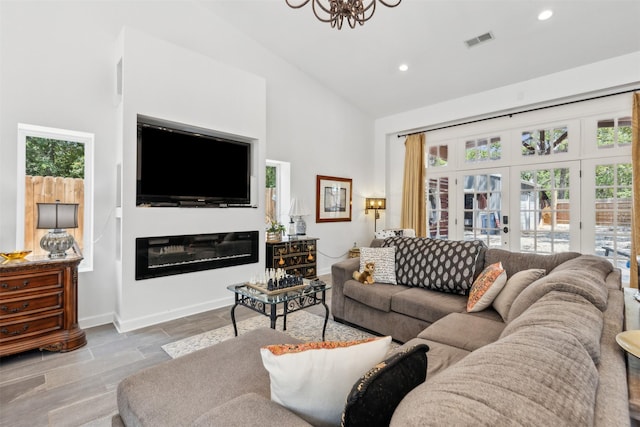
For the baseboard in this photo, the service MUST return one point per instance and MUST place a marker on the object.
(127, 325)
(99, 320)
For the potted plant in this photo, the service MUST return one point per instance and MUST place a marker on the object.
(275, 231)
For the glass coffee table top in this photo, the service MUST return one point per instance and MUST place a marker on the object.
(284, 296)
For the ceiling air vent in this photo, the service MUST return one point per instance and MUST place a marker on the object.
(479, 39)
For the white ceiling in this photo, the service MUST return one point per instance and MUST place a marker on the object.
(361, 64)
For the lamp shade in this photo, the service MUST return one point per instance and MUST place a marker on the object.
(298, 208)
(57, 215)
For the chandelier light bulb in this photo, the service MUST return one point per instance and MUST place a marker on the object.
(336, 12)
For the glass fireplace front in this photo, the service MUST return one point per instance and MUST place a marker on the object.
(168, 255)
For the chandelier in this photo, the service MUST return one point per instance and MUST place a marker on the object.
(336, 11)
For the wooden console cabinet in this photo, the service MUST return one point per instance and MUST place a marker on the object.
(296, 255)
(39, 305)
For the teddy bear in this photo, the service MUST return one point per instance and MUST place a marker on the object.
(366, 276)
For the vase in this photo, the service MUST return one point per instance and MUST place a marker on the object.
(274, 236)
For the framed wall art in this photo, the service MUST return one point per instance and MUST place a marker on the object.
(333, 199)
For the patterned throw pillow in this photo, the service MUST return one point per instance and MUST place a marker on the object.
(402, 232)
(385, 263)
(486, 287)
(442, 265)
(374, 398)
(314, 379)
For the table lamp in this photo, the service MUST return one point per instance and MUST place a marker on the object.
(57, 217)
(296, 212)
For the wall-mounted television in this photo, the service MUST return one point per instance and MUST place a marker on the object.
(182, 165)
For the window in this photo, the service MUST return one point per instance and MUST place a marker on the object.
(483, 149)
(614, 132)
(438, 156)
(277, 192)
(545, 142)
(55, 164)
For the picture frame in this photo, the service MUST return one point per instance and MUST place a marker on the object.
(333, 199)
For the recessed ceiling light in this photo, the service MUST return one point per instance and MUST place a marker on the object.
(545, 14)
(403, 67)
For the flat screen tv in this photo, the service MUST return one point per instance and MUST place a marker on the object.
(180, 165)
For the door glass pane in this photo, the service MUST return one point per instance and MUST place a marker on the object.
(613, 214)
(544, 210)
(438, 207)
(482, 208)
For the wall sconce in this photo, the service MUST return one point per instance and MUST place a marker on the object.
(375, 204)
(57, 217)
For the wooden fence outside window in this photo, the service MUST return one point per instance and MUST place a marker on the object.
(48, 189)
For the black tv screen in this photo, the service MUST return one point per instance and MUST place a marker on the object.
(183, 166)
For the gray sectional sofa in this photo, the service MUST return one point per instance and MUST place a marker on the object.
(552, 359)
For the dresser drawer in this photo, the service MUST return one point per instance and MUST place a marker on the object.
(25, 305)
(24, 328)
(29, 282)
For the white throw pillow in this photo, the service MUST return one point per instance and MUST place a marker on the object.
(314, 379)
(384, 260)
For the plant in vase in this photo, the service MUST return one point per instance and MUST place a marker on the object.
(275, 231)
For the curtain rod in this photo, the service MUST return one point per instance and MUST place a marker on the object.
(518, 112)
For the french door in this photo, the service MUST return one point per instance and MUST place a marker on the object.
(483, 200)
(529, 208)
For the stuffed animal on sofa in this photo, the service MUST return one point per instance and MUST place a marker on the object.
(365, 276)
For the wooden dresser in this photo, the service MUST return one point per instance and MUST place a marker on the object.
(39, 305)
(296, 255)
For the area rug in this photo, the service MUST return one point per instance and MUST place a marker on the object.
(301, 324)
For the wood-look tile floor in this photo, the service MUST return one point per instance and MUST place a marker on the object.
(78, 388)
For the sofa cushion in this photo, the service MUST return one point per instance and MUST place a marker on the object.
(375, 396)
(486, 287)
(548, 379)
(209, 377)
(515, 284)
(517, 261)
(581, 281)
(443, 265)
(566, 312)
(463, 331)
(441, 356)
(385, 263)
(426, 304)
(234, 413)
(314, 379)
(377, 295)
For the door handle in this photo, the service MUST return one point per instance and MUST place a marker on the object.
(505, 230)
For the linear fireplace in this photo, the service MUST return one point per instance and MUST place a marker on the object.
(168, 255)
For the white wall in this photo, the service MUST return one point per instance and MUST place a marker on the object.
(58, 69)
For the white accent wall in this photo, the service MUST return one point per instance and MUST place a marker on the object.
(58, 68)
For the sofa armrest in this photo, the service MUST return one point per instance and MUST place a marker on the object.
(340, 273)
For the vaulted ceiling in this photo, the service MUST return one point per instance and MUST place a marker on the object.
(429, 36)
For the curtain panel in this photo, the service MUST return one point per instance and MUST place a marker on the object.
(414, 211)
(635, 217)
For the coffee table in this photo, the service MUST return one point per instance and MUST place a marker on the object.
(289, 302)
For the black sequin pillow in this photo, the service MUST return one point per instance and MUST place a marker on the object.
(444, 265)
(375, 396)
